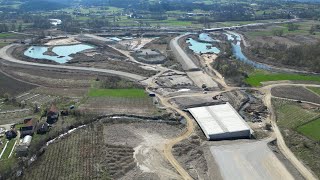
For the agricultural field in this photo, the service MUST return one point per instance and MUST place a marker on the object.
(258, 77)
(120, 105)
(291, 114)
(78, 156)
(315, 90)
(103, 150)
(297, 93)
(12, 86)
(303, 29)
(293, 120)
(125, 93)
(119, 101)
(311, 129)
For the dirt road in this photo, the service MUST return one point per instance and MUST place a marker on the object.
(306, 173)
(5, 55)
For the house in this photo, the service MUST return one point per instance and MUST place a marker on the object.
(28, 127)
(27, 130)
(42, 128)
(52, 115)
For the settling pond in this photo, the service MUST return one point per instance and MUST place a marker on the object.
(62, 52)
(200, 47)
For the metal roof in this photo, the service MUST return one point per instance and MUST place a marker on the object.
(219, 119)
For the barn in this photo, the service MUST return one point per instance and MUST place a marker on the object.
(220, 122)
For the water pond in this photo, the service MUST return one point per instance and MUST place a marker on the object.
(62, 52)
(206, 38)
(199, 47)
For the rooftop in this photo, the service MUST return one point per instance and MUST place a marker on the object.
(219, 119)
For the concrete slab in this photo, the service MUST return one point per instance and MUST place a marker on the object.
(246, 161)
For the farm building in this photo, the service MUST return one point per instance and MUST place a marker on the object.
(221, 122)
(23, 146)
(28, 127)
(52, 115)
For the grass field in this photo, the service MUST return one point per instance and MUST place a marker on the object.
(7, 35)
(311, 129)
(315, 89)
(257, 77)
(127, 93)
(304, 28)
(8, 149)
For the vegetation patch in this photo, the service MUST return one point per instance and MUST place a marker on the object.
(8, 149)
(257, 77)
(299, 124)
(311, 129)
(127, 93)
(315, 89)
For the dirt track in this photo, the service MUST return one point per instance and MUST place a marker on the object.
(6, 56)
(280, 141)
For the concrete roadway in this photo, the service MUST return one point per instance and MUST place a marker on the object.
(5, 55)
(246, 161)
(182, 57)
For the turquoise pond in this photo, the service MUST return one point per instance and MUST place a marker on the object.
(206, 38)
(199, 47)
(63, 52)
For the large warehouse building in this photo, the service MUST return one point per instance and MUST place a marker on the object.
(221, 122)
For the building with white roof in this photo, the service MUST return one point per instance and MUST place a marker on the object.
(221, 122)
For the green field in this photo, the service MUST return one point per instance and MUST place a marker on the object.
(7, 35)
(315, 89)
(311, 129)
(128, 93)
(257, 77)
(291, 115)
(8, 149)
(300, 128)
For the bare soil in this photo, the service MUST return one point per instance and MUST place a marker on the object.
(297, 93)
(147, 140)
(13, 86)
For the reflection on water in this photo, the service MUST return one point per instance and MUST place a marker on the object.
(62, 52)
(206, 38)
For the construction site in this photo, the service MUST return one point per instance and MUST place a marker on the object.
(138, 107)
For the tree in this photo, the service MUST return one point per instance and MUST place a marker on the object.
(278, 32)
(292, 27)
(20, 28)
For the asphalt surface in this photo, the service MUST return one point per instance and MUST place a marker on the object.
(5, 55)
